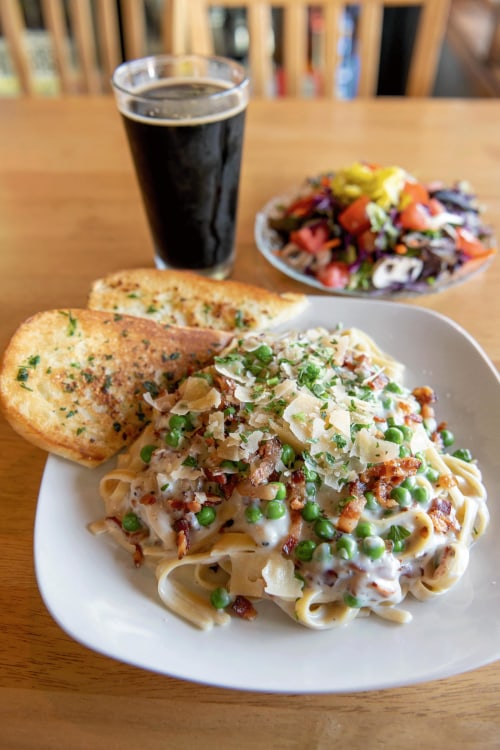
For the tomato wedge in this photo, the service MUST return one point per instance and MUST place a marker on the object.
(335, 275)
(471, 246)
(415, 218)
(354, 218)
(311, 239)
(417, 192)
(366, 241)
(301, 207)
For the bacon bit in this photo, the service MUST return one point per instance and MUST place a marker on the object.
(447, 481)
(413, 418)
(400, 249)
(351, 514)
(295, 531)
(382, 491)
(243, 608)
(215, 476)
(393, 471)
(357, 488)
(424, 395)
(441, 504)
(269, 453)
(181, 526)
(378, 383)
(213, 500)
(440, 515)
(443, 563)
(404, 407)
(148, 499)
(193, 506)
(297, 490)
(378, 419)
(381, 590)
(138, 556)
(175, 504)
(427, 411)
(225, 386)
(229, 487)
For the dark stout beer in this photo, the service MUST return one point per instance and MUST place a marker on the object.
(186, 140)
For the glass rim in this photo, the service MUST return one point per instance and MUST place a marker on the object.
(150, 59)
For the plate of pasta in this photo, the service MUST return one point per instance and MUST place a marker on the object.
(310, 513)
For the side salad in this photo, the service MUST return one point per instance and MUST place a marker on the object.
(368, 228)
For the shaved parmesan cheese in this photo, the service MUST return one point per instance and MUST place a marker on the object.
(340, 420)
(196, 395)
(280, 580)
(371, 449)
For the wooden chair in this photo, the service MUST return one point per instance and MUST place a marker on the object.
(189, 31)
(91, 29)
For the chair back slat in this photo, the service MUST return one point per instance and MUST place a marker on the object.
(369, 36)
(14, 30)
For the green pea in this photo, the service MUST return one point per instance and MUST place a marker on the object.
(310, 511)
(407, 432)
(394, 435)
(463, 454)
(393, 387)
(402, 496)
(264, 353)
(371, 501)
(220, 598)
(253, 514)
(130, 522)
(324, 528)
(310, 489)
(280, 490)
(432, 474)
(256, 369)
(305, 549)
(447, 437)
(347, 547)
(146, 453)
(180, 422)
(420, 494)
(365, 528)
(373, 547)
(275, 509)
(352, 601)
(206, 515)
(423, 463)
(404, 451)
(287, 455)
(172, 438)
(409, 483)
(323, 552)
(310, 474)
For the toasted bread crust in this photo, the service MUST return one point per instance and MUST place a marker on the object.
(188, 299)
(72, 381)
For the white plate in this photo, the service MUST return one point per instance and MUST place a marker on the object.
(96, 595)
(268, 242)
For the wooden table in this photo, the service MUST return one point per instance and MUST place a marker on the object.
(69, 213)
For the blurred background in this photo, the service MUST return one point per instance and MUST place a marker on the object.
(469, 62)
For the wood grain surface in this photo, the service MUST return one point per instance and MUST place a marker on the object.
(70, 212)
